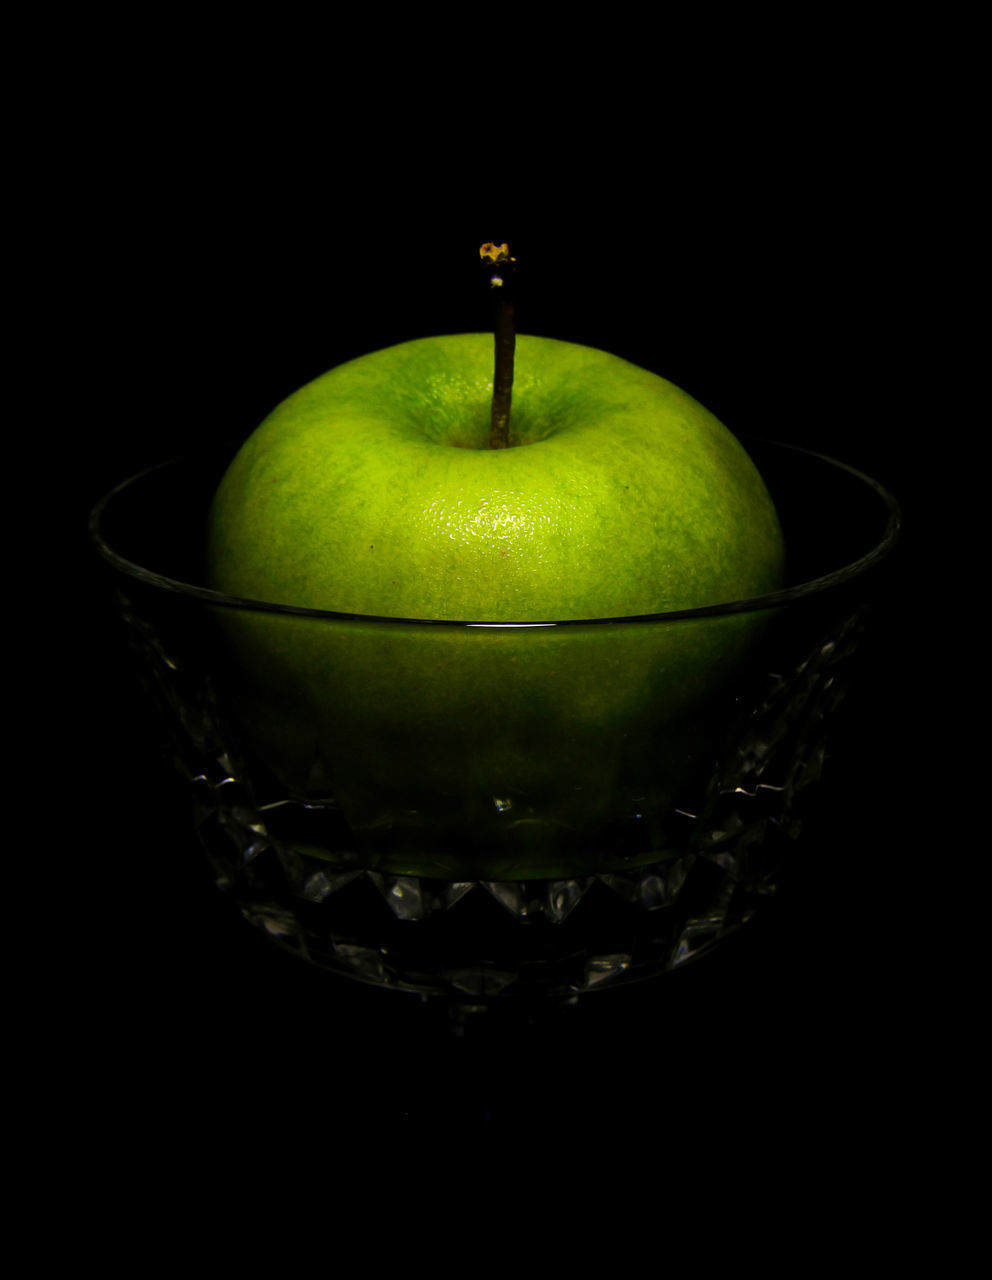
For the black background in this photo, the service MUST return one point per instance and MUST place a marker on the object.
(773, 287)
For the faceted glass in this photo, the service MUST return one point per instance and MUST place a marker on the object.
(354, 776)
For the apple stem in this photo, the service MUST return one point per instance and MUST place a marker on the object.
(499, 427)
(505, 343)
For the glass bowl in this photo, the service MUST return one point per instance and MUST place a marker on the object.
(515, 810)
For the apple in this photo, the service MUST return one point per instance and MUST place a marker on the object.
(497, 750)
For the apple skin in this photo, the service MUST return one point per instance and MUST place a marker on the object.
(489, 752)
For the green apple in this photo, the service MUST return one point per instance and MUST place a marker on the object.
(489, 751)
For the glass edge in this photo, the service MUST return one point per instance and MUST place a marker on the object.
(771, 600)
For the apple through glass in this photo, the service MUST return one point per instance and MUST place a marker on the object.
(471, 775)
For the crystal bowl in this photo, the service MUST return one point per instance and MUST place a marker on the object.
(624, 800)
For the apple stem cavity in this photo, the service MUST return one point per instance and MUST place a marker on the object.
(500, 270)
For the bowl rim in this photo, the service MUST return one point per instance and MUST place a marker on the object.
(771, 600)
